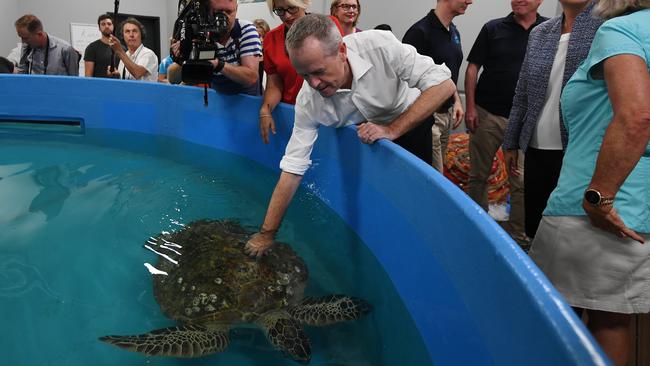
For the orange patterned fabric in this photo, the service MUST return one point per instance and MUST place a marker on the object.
(457, 169)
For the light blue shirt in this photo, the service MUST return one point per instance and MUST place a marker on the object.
(164, 65)
(587, 112)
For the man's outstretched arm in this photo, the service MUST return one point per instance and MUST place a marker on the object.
(282, 196)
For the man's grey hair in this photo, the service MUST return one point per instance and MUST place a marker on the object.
(608, 9)
(319, 26)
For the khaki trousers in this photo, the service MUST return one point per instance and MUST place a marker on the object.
(483, 146)
(440, 138)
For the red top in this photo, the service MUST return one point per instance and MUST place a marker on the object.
(276, 61)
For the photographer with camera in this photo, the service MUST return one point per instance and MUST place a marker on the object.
(138, 62)
(210, 42)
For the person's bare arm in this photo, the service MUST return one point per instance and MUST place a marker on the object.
(457, 110)
(137, 71)
(423, 107)
(272, 96)
(282, 196)
(626, 138)
(89, 68)
(471, 78)
(245, 74)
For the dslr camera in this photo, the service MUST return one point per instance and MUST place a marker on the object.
(198, 30)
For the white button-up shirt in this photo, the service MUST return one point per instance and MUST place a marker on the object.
(145, 58)
(387, 77)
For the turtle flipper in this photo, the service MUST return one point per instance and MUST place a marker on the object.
(286, 334)
(330, 309)
(181, 341)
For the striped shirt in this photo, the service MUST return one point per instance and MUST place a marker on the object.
(244, 41)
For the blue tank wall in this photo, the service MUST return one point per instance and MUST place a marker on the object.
(474, 296)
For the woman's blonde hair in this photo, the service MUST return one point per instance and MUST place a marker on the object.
(608, 9)
(299, 3)
(335, 4)
(261, 23)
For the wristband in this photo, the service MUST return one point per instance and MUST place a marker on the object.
(220, 65)
(264, 231)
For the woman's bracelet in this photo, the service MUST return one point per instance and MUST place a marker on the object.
(265, 115)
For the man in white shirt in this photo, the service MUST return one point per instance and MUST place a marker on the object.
(138, 62)
(369, 79)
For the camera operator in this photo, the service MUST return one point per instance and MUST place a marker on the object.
(238, 50)
(138, 62)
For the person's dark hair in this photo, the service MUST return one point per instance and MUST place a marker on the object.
(384, 27)
(31, 22)
(319, 26)
(103, 17)
(6, 66)
(135, 22)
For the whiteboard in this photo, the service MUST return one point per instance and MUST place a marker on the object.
(81, 35)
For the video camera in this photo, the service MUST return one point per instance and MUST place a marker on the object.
(198, 30)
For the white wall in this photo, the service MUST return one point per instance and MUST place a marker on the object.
(401, 16)
(8, 15)
(257, 10)
(57, 16)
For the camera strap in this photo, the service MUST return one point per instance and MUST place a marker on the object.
(45, 59)
(133, 58)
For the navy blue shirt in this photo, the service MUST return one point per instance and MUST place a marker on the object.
(430, 38)
(500, 49)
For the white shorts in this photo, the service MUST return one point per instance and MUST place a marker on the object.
(592, 268)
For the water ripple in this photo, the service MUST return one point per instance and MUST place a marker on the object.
(17, 279)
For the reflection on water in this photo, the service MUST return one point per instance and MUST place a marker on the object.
(17, 279)
(73, 221)
(53, 194)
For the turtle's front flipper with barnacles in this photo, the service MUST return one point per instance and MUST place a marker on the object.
(286, 334)
(181, 341)
(330, 309)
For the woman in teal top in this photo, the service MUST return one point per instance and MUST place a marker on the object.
(589, 242)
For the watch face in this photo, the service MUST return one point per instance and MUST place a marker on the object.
(592, 197)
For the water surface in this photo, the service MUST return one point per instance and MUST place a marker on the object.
(73, 221)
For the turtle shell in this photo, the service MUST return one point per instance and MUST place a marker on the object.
(216, 281)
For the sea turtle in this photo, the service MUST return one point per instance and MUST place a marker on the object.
(214, 286)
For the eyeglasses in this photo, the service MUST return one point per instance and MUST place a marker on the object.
(348, 7)
(281, 11)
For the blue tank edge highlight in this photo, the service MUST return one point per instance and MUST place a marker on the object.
(495, 305)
